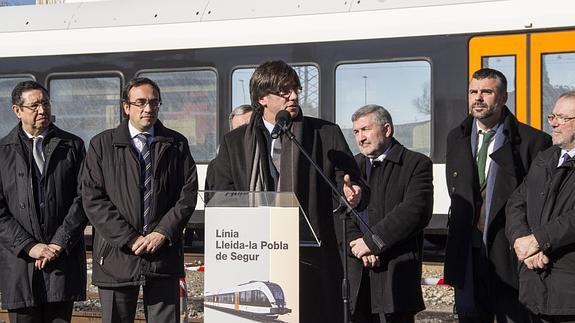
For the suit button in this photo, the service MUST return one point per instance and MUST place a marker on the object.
(547, 245)
(21, 174)
(452, 189)
(454, 174)
(22, 205)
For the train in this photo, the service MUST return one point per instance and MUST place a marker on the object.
(258, 299)
(413, 57)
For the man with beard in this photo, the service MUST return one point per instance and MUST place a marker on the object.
(541, 226)
(488, 156)
(250, 160)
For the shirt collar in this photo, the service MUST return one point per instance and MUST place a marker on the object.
(479, 130)
(570, 152)
(381, 157)
(42, 135)
(134, 132)
(268, 125)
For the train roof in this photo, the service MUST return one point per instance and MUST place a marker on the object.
(132, 25)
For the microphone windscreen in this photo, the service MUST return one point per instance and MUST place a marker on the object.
(283, 115)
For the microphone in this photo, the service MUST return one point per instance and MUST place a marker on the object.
(282, 120)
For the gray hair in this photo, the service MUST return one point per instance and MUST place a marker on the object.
(239, 111)
(567, 95)
(380, 115)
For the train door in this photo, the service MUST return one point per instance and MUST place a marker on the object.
(552, 72)
(506, 53)
(539, 67)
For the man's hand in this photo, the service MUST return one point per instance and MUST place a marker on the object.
(370, 261)
(525, 247)
(359, 248)
(42, 251)
(352, 192)
(147, 244)
(537, 261)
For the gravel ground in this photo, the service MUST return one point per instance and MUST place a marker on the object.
(438, 299)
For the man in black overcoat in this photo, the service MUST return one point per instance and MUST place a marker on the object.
(385, 280)
(42, 255)
(247, 162)
(541, 223)
(478, 259)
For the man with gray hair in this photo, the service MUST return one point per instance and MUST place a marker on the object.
(240, 116)
(540, 223)
(385, 282)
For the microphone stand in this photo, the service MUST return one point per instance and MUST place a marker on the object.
(343, 206)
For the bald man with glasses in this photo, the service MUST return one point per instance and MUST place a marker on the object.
(541, 223)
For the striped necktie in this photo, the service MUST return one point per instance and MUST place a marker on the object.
(146, 162)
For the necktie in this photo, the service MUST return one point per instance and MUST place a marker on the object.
(37, 153)
(146, 162)
(482, 155)
(564, 158)
(276, 158)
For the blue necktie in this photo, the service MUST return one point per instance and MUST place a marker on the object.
(146, 162)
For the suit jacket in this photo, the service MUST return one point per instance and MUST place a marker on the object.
(518, 146)
(550, 291)
(320, 270)
(400, 207)
(112, 194)
(61, 220)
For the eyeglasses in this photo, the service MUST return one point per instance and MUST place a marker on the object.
(558, 118)
(286, 93)
(141, 103)
(35, 106)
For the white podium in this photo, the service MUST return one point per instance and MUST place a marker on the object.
(251, 255)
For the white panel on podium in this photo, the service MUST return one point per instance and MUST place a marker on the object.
(251, 257)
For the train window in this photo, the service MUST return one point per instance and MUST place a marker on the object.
(506, 65)
(403, 88)
(309, 97)
(86, 106)
(8, 119)
(558, 76)
(190, 107)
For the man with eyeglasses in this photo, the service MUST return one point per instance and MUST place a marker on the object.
(139, 188)
(488, 156)
(42, 255)
(250, 160)
(541, 223)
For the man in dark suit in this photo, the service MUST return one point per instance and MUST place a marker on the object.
(139, 189)
(385, 281)
(250, 160)
(541, 226)
(488, 156)
(42, 256)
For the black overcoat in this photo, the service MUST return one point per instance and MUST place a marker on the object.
(400, 207)
(320, 269)
(112, 197)
(63, 220)
(550, 291)
(519, 148)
